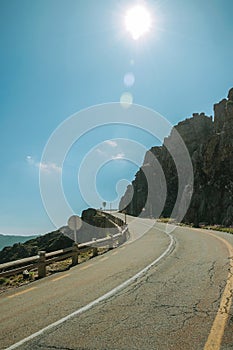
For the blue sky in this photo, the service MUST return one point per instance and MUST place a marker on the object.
(59, 57)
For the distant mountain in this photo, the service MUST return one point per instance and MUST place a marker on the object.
(49, 242)
(8, 240)
(210, 145)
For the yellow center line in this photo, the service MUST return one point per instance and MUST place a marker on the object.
(116, 252)
(60, 277)
(103, 259)
(217, 331)
(22, 292)
(86, 267)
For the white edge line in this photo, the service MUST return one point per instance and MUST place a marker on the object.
(96, 301)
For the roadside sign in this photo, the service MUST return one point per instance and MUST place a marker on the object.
(74, 223)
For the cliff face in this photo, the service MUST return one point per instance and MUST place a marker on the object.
(210, 145)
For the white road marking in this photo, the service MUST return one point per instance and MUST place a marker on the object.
(98, 300)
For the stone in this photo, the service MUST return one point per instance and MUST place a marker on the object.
(210, 145)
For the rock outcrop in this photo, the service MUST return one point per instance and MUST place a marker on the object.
(49, 242)
(94, 225)
(210, 146)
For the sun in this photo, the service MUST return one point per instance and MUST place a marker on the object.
(137, 21)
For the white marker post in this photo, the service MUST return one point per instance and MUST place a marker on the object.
(75, 223)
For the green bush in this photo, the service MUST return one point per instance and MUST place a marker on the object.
(3, 280)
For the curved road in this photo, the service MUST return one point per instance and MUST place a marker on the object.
(181, 302)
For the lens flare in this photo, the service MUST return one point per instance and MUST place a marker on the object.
(138, 21)
(126, 99)
(129, 79)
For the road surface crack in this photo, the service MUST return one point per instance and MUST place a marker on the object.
(219, 297)
(42, 346)
(225, 308)
(211, 272)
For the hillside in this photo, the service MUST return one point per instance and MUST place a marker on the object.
(8, 240)
(92, 227)
(210, 145)
(49, 242)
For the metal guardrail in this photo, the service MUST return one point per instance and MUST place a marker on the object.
(43, 259)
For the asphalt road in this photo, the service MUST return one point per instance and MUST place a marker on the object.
(182, 302)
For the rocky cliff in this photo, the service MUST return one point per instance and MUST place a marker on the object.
(210, 146)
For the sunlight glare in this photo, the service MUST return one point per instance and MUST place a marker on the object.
(138, 21)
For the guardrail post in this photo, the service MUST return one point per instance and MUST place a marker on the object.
(121, 239)
(125, 235)
(111, 242)
(42, 264)
(95, 249)
(75, 253)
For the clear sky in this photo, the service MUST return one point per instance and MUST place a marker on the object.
(62, 56)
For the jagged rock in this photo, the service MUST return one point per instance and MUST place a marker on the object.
(210, 145)
(219, 115)
(230, 94)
